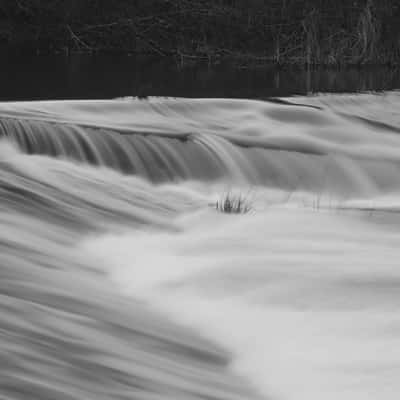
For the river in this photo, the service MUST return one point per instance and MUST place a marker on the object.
(121, 279)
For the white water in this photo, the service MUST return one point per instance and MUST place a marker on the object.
(307, 301)
(299, 298)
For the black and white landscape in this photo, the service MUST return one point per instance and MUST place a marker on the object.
(212, 229)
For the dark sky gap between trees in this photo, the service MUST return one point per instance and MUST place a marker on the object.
(320, 32)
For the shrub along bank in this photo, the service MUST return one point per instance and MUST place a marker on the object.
(314, 32)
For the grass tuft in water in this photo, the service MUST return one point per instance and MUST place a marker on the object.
(233, 204)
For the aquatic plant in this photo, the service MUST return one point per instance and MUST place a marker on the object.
(233, 204)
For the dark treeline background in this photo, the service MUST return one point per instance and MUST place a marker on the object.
(283, 31)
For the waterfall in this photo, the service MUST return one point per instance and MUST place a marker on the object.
(119, 278)
(284, 145)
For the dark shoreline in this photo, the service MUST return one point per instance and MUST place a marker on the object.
(323, 33)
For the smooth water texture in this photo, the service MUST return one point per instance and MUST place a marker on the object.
(120, 279)
(81, 76)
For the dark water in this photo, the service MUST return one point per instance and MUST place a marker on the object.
(92, 77)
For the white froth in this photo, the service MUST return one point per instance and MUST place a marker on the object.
(307, 301)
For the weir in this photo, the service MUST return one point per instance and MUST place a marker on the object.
(279, 145)
(66, 331)
(119, 280)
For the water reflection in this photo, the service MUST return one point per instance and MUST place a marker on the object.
(85, 76)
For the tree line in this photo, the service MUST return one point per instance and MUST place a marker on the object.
(329, 32)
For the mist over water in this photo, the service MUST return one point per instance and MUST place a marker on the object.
(120, 279)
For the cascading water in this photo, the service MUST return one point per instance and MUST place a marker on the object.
(119, 279)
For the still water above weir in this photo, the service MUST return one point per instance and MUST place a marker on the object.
(108, 76)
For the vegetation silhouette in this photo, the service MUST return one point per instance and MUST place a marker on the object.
(233, 204)
(311, 32)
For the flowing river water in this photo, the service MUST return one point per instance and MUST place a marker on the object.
(119, 279)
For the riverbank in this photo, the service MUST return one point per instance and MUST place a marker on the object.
(264, 32)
